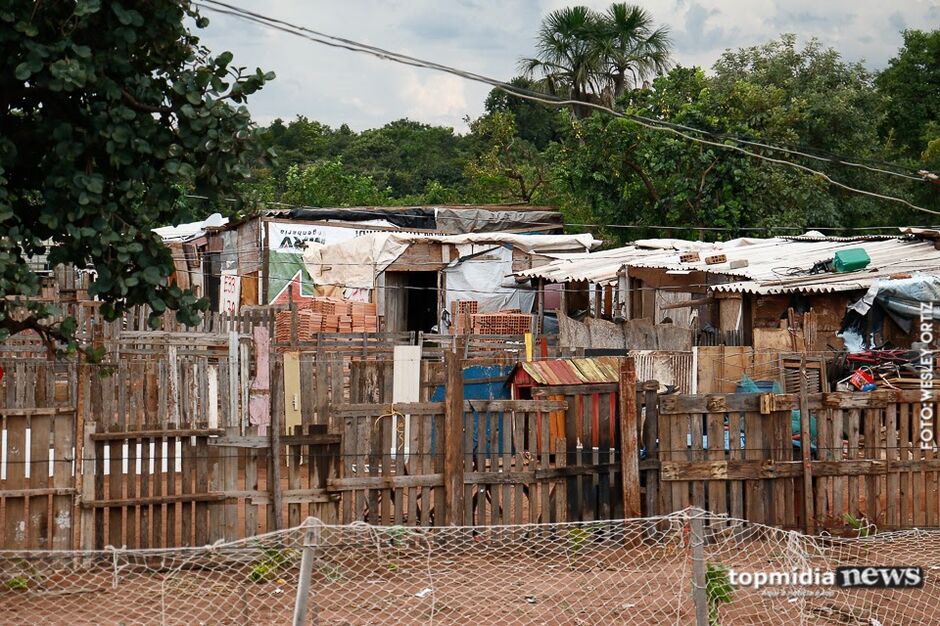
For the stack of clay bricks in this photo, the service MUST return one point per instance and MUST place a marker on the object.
(363, 317)
(461, 312)
(326, 315)
(501, 323)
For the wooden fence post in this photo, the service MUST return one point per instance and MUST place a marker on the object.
(453, 440)
(81, 463)
(806, 450)
(85, 513)
(650, 432)
(274, 478)
(629, 453)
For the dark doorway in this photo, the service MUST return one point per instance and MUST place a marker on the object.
(410, 301)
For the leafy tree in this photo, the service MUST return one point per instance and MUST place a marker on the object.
(912, 83)
(621, 173)
(109, 111)
(508, 168)
(568, 59)
(329, 184)
(405, 156)
(535, 122)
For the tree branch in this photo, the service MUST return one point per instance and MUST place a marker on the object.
(650, 188)
(142, 106)
(50, 335)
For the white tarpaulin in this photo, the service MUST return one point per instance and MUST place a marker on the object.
(354, 264)
(487, 278)
(192, 230)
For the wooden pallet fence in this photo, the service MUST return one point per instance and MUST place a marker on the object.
(864, 460)
(590, 426)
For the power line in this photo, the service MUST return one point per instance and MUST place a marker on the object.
(652, 124)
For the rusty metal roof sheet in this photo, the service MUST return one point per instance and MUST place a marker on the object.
(602, 267)
(781, 265)
(604, 369)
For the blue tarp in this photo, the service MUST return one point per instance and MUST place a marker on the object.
(491, 386)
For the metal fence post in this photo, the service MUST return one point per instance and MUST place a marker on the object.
(311, 541)
(699, 592)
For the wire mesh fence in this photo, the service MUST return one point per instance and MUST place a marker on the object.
(678, 569)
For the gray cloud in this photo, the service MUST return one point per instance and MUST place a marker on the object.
(702, 33)
(488, 37)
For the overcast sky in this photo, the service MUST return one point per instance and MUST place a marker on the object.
(489, 36)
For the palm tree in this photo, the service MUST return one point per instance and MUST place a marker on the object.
(567, 59)
(594, 57)
(631, 48)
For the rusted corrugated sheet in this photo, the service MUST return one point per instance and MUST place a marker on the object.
(669, 368)
(574, 371)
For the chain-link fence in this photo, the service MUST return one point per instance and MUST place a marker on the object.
(679, 569)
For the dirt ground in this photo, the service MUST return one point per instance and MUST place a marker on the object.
(358, 583)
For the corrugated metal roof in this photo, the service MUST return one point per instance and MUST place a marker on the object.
(602, 369)
(603, 266)
(776, 265)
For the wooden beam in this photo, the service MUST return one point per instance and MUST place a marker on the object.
(58, 410)
(406, 408)
(769, 469)
(265, 442)
(274, 454)
(629, 451)
(575, 390)
(806, 453)
(453, 439)
(44, 491)
(157, 434)
(183, 497)
(519, 406)
(682, 304)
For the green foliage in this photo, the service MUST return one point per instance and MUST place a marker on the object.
(911, 83)
(536, 123)
(18, 583)
(859, 525)
(507, 168)
(619, 172)
(109, 112)
(326, 183)
(718, 590)
(273, 562)
(403, 162)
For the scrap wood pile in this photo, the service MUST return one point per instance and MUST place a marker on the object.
(884, 369)
(326, 315)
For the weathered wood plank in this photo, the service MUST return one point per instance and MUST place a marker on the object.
(629, 452)
(144, 434)
(453, 441)
(183, 497)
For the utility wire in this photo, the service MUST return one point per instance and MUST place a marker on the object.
(652, 124)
